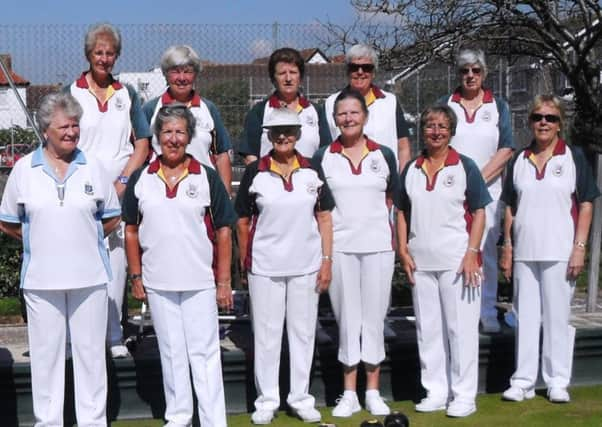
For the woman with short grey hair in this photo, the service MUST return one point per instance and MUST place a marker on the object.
(102, 30)
(484, 133)
(210, 144)
(386, 123)
(60, 204)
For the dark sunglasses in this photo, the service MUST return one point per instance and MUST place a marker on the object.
(550, 118)
(353, 67)
(284, 130)
(475, 70)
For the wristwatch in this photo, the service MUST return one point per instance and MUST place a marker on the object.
(133, 277)
(123, 179)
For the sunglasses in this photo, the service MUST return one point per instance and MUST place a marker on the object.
(287, 131)
(475, 70)
(353, 67)
(550, 118)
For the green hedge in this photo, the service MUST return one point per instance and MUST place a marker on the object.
(10, 266)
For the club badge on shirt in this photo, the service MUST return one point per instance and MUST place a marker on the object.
(312, 187)
(192, 191)
(119, 103)
(449, 181)
(375, 165)
(88, 189)
(557, 171)
(486, 116)
(310, 120)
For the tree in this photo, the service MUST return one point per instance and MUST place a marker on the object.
(561, 33)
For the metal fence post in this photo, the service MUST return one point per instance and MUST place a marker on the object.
(595, 241)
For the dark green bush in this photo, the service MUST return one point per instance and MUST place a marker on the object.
(10, 266)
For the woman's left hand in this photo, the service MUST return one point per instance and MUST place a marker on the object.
(224, 296)
(324, 276)
(576, 262)
(470, 269)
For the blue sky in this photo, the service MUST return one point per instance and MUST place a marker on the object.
(178, 11)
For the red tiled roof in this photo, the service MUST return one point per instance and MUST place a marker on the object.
(17, 79)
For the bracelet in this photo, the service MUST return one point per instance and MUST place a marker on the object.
(475, 250)
(327, 257)
(507, 242)
(580, 244)
(225, 284)
(135, 276)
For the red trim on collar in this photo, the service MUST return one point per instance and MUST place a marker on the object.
(275, 102)
(453, 158)
(194, 167)
(559, 150)
(167, 99)
(337, 147)
(264, 166)
(82, 83)
(377, 91)
(487, 95)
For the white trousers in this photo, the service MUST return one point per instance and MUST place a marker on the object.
(49, 312)
(491, 235)
(116, 287)
(274, 299)
(542, 294)
(188, 335)
(447, 330)
(359, 293)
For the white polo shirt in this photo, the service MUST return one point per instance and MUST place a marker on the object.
(176, 227)
(361, 220)
(109, 130)
(284, 239)
(63, 241)
(480, 135)
(386, 123)
(254, 139)
(210, 137)
(546, 203)
(439, 212)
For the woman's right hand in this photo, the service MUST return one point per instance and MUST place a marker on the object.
(506, 262)
(138, 290)
(408, 265)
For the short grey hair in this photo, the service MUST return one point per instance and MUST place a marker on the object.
(174, 111)
(58, 101)
(472, 56)
(180, 56)
(446, 110)
(361, 51)
(102, 29)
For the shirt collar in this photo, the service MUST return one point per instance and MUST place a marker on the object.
(167, 99)
(337, 146)
(453, 158)
(266, 161)
(487, 95)
(194, 167)
(82, 83)
(559, 148)
(275, 102)
(38, 159)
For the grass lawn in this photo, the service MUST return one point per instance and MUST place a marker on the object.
(584, 410)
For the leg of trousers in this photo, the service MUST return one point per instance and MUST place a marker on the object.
(359, 293)
(49, 312)
(201, 327)
(461, 307)
(301, 317)
(168, 321)
(116, 286)
(558, 334)
(431, 334)
(527, 306)
(268, 303)
(491, 236)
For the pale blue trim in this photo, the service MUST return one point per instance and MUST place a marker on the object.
(103, 251)
(26, 249)
(10, 218)
(38, 159)
(111, 213)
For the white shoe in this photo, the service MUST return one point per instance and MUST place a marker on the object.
(262, 416)
(490, 325)
(119, 351)
(308, 415)
(376, 405)
(461, 409)
(346, 406)
(517, 394)
(431, 404)
(558, 395)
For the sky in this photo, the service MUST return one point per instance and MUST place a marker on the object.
(175, 12)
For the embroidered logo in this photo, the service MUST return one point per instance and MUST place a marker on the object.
(119, 104)
(88, 189)
(192, 191)
(449, 181)
(310, 121)
(375, 165)
(312, 187)
(558, 171)
(486, 116)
